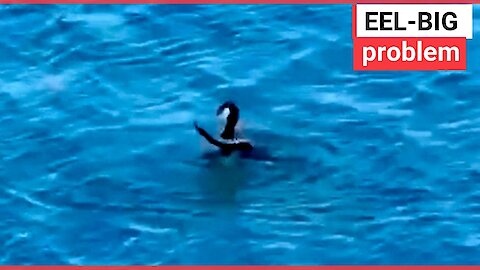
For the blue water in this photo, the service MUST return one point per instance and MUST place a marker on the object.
(100, 163)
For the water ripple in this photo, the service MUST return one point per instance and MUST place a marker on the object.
(100, 163)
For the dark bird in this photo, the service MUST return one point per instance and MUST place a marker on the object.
(228, 142)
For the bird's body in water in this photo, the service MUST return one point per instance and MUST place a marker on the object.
(228, 143)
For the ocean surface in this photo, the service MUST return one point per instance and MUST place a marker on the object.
(100, 163)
